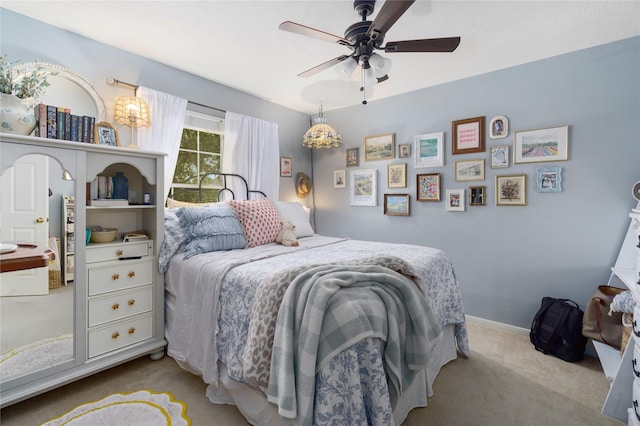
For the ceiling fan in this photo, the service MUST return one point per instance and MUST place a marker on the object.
(364, 37)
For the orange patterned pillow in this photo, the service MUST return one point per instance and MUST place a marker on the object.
(260, 220)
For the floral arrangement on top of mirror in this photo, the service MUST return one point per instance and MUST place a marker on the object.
(32, 85)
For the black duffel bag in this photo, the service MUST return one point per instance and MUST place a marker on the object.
(557, 329)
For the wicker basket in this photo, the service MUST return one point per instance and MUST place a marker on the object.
(627, 323)
(105, 236)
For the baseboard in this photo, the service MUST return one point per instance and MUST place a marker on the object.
(498, 325)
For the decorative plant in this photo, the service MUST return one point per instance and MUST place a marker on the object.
(31, 85)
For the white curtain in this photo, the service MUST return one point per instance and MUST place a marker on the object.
(252, 150)
(165, 133)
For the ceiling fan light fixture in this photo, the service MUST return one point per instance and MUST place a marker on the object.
(369, 76)
(380, 65)
(346, 68)
(321, 134)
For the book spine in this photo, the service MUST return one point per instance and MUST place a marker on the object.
(67, 124)
(40, 112)
(92, 125)
(80, 129)
(74, 128)
(52, 122)
(86, 125)
(60, 128)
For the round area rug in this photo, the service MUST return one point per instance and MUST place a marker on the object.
(142, 408)
(35, 356)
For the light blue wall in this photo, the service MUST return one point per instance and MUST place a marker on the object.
(508, 258)
(28, 40)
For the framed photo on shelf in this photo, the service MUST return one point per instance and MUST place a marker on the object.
(455, 200)
(353, 157)
(339, 179)
(468, 135)
(380, 147)
(536, 146)
(467, 170)
(429, 150)
(477, 195)
(511, 190)
(498, 127)
(363, 188)
(428, 187)
(404, 150)
(549, 179)
(499, 156)
(397, 175)
(105, 134)
(396, 204)
(286, 166)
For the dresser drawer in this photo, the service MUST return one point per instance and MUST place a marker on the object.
(113, 251)
(113, 307)
(119, 275)
(118, 335)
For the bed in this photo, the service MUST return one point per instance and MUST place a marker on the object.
(332, 331)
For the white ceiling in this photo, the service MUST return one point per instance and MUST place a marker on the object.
(238, 43)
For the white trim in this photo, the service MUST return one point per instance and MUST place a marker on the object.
(498, 325)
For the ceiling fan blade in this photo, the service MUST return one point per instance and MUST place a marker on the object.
(390, 12)
(446, 44)
(323, 66)
(296, 28)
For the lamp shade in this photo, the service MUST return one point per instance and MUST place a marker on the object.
(346, 69)
(322, 135)
(132, 111)
(380, 65)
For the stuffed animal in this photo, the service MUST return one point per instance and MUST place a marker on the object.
(286, 236)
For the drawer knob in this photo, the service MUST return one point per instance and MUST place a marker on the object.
(115, 277)
(115, 335)
(132, 274)
(119, 253)
(115, 306)
(132, 302)
(132, 330)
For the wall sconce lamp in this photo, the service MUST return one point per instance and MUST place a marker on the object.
(133, 112)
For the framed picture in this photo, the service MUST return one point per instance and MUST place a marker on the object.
(380, 147)
(499, 156)
(536, 146)
(455, 200)
(477, 195)
(549, 179)
(396, 204)
(397, 175)
(404, 150)
(105, 134)
(468, 135)
(430, 150)
(511, 190)
(428, 187)
(285, 166)
(339, 179)
(498, 127)
(353, 157)
(363, 187)
(467, 170)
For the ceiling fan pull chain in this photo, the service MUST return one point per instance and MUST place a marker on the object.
(362, 88)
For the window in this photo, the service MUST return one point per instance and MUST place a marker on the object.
(200, 154)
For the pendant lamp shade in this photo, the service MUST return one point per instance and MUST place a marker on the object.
(321, 134)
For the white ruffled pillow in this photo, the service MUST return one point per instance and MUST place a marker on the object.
(294, 212)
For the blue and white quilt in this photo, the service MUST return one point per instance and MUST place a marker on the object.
(214, 299)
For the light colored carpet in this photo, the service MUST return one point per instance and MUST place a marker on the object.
(504, 382)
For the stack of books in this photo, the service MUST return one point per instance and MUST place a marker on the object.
(59, 123)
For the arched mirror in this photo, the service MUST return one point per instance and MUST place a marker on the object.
(66, 89)
(36, 305)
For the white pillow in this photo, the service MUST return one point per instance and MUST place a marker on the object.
(294, 213)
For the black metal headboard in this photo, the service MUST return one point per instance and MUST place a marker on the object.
(225, 186)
